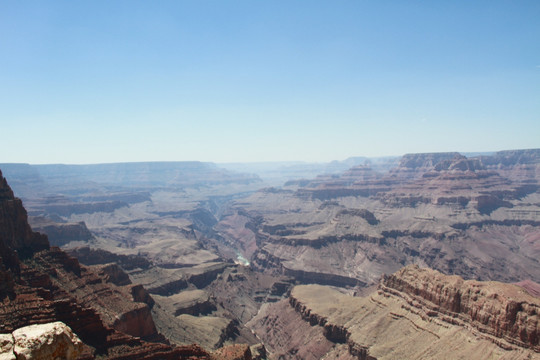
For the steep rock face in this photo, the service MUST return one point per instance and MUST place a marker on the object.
(420, 313)
(60, 234)
(498, 309)
(114, 274)
(90, 256)
(14, 229)
(286, 335)
(191, 302)
(114, 304)
(49, 286)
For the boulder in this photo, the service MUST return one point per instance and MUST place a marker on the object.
(46, 341)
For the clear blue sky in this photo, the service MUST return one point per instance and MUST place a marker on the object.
(227, 81)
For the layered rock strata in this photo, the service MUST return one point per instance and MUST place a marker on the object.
(60, 234)
(422, 314)
(504, 311)
(41, 285)
(472, 217)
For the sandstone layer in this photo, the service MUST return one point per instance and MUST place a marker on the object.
(475, 217)
(42, 286)
(414, 314)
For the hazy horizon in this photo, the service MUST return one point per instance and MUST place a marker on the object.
(243, 82)
(270, 162)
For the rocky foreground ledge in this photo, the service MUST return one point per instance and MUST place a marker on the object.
(422, 314)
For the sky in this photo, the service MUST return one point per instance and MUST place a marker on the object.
(283, 80)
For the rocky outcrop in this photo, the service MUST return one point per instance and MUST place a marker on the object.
(502, 310)
(139, 294)
(113, 273)
(426, 312)
(114, 304)
(233, 352)
(258, 352)
(203, 274)
(193, 302)
(16, 234)
(90, 256)
(362, 213)
(136, 322)
(398, 320)
(457, 181)
(45, 341)
(333, 332)
(60, 234)
(42, 285)
(286, 335)
(169, 287)
(425, 160)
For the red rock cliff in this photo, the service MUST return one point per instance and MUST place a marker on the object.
(39, 285)
(503, 310)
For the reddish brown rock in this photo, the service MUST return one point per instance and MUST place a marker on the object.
(49, 286)
(421, 313)
(16, 234)
(233, 352)
(532, 287)
(502, 310)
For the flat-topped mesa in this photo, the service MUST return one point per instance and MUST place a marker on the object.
(505, 311)
(425, 160)
(460, 163)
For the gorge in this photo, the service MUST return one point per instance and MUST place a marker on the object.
(425, 256)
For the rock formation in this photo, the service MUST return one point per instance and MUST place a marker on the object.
(504, 311)
(456, 214)
(45, 341)
(414, 314)
(43, 286)
(195, 252)
(60, 234)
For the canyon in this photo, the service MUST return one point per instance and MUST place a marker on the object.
(414, 314)
(423, 256)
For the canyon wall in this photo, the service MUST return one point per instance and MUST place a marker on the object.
(42, 285)
(415, 313)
